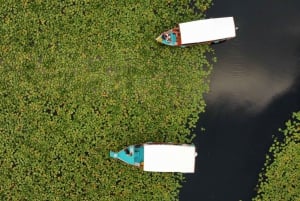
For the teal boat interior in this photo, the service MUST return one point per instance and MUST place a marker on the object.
(133, 155)
(171, 37)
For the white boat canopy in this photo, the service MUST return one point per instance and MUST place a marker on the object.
(207, 30)
(169, 158)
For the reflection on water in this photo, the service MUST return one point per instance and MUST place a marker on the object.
(255, 86)
(248, 84)
(260, 64)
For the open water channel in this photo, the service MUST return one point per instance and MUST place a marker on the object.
(255, 87)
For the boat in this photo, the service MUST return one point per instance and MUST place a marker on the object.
(159, 157)
(213, 30)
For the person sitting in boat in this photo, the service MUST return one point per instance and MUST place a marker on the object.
(169, 38)
(172, 37)
(166, 37)
(128, 152)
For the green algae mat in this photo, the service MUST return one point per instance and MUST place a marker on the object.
(279, 179)
(80, 78)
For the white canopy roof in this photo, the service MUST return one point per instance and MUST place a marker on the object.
(169, 158)
(207, 30)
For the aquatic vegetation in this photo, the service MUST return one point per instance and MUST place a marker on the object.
(80, 78)
(280, 178)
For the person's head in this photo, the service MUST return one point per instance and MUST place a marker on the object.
(127, 151)
(165, 36)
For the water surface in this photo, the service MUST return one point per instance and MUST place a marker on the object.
(255, 87)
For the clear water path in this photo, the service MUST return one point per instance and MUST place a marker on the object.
(255, 86)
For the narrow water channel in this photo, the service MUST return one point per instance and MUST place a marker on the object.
(255, 87)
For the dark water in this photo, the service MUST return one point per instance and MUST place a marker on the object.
(255, 87)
